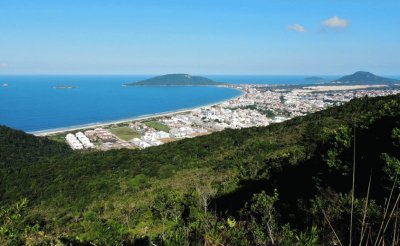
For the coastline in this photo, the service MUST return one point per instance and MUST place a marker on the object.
(42, 133)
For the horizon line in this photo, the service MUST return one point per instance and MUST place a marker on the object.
(160, 74)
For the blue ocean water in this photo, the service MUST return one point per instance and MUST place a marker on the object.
(30, 103)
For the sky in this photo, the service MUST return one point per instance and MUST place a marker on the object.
(252, 37)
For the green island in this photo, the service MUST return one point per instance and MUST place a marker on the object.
(314, 78)
(328, 178)
(362, 77)
(175, 80)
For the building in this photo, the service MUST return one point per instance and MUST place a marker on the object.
(73, 142)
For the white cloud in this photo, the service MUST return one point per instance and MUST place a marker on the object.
(336, 22)
(297, 28)
(2, 65)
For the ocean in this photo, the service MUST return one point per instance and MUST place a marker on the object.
(31, 103)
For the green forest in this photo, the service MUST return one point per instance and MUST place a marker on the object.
(328, 178)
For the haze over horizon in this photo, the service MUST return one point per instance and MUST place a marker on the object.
(200, 37)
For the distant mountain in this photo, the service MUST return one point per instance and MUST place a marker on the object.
(364, 78)
(175, 80)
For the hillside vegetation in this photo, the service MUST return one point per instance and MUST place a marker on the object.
(285, 184)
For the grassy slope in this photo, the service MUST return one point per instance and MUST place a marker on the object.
(157, 125)
(64, 187)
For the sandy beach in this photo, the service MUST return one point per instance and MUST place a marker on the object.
(341, 87)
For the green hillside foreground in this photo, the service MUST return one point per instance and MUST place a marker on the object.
(285, 184)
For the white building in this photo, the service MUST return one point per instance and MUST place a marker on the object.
(84, 140)
(73, 142)
(140, 143)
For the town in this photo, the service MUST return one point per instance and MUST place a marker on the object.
(259, 105)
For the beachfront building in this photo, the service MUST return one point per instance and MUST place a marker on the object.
(182, 132)
(84, 140)
(138, 127)
(73, 142)
(153, 137)
(90, 134)
(140, 143)
(104, 135)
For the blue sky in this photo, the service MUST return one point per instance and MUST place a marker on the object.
(199, 36)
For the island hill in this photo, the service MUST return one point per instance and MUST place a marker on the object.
(175, 80)
(362, 77)
(314, 78)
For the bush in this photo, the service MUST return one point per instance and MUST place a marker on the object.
(140, 181)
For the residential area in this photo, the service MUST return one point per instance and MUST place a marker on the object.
(259, 105)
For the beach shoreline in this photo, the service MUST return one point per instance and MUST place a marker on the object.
(43, 133)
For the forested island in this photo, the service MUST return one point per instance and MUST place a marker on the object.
(362, 77)
(175, 80)
(314, 78)
(329, 178)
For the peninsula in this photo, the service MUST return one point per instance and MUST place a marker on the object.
(364, 78)
(175, 80)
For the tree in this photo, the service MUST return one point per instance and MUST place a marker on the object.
(167, 206)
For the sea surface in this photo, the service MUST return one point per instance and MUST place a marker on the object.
(31, 103)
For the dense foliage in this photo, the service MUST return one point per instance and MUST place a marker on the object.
(285, 184)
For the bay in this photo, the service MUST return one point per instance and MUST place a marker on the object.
(32, 103)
